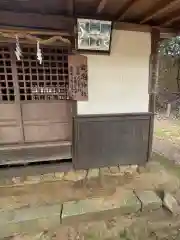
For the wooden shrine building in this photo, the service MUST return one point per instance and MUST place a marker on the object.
(58, 101)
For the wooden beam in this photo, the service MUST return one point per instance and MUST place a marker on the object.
(101, 6)
(173, 17)
(144, 28)
(71, 7)
(36, 21)
(170, 21)
(165, 35)
(159, 8)
(131, 27)
(55, 25)
(125, 8)
(33, 31)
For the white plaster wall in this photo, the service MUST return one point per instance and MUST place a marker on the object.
(119, 83)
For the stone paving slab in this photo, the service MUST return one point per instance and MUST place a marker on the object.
(29, 227)
(125, 203)
(149, 200)
(116, 197)
(93, 173)
(170, 203)
(29, 218)
(25, 214)
(75, 175)
(30, 213)
(118, 170)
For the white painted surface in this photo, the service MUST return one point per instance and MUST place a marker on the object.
(119, 83)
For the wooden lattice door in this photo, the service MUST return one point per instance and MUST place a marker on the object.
(46, 110)
(34, 98)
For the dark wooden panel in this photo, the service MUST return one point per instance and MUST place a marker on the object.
(108, 140)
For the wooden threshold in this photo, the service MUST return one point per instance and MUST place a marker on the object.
(33, 153)
(32, 145)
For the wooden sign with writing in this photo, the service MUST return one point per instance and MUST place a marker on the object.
(78, 77)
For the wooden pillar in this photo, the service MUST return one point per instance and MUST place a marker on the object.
(153, 81)
(154, 66)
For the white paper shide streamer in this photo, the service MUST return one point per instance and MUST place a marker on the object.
(39, 53)
(18, 51)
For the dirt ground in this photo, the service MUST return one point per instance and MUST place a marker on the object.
(164, 173)
(121, 228)
(166, 142)
(158, 225)
(166, 139)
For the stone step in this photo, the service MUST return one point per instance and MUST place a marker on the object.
(58, 187)
(40, 203)
(32, 219)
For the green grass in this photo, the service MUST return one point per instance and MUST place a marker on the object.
(91, 236)
(124, 235)
(167, 164)
(159, 132)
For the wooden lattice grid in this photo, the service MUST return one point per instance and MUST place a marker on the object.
(46, 81)
(7, 92)
(28, 80)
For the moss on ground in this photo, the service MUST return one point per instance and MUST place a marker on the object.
(167, 164)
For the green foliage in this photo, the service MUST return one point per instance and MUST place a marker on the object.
(170, 47)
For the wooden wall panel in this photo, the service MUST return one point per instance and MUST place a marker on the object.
(47, 121)
(10, 130)
(10, 134)
(45, 132)
(52, 111)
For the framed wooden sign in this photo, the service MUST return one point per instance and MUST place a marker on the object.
(78, 77)
(93, 35)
